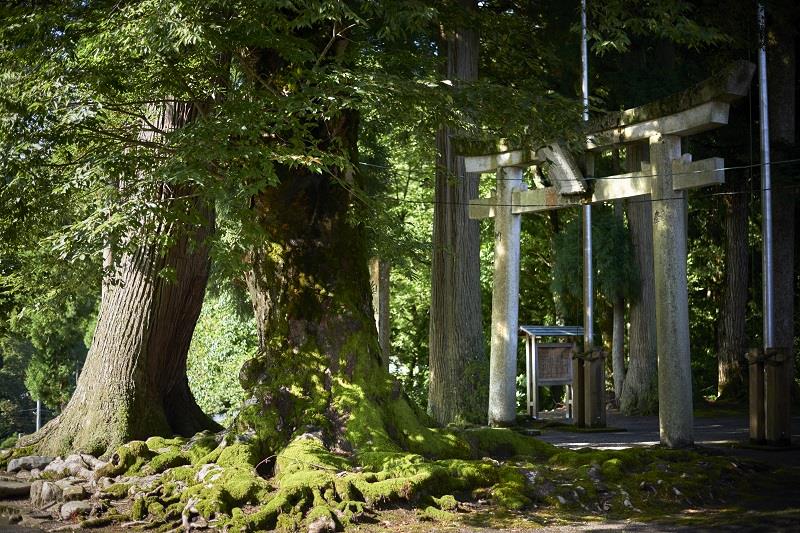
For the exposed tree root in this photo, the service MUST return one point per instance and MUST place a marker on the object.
(218, 481)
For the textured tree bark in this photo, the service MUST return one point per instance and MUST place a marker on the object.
(618, 348)
(732, 326)
(133, 384)
(618, 332)
(458, 379)
(640, 392)
(310, 290)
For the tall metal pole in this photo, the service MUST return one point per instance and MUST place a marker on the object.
(38, 414)
(766, 184)
(588, 277)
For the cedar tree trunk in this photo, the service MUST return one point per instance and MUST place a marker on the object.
(133, 384)
(732, 324)
(458, 386)
(640, 392)
(618, 335)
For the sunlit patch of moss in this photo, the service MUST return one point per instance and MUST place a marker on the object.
(161, 444)
(237, 455)
(304, 453)
(446, 502)
(510, 491)
(13, 453)
(139, 508)
(432, 513)
(171, 458)
(201, 445)
(128, 459)
(226, 488)
(612, 469)
(183, 473)
(365, 430)
(117, 491)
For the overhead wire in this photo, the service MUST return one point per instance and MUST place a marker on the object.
(634, 199)
(621, 176)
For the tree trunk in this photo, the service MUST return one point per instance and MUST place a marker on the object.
(133, 384)
(640, 392)
(732, 325)
(319, 368)
(618, 335)
(458, 390)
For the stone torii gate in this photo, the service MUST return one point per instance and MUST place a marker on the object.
(666, 178)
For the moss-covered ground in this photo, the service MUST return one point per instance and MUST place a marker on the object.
(493, 478)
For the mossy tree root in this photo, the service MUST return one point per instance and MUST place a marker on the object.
(221, 484)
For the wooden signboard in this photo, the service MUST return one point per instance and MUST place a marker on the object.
(553, 363)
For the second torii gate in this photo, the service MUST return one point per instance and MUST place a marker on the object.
(665, 179)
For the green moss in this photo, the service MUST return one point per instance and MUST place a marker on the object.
(169, 459)
(173, 511)
(223, 489)
(405, 426)
(103, 521)
(156, 508)
(432, 513)
(304, 453)
(128, 459)
(503, 443)
(117, 491)
(612, 469)
(510, 491)
(180, 473)
(291, 521)
(159, 444)
(241, 486)
(139, 508)
(350, 511)
(200, 446)
(13, 453)
(446, 503)
(237, 455)
(399, 462)
(320, 511)
(428, 479)
(463, 475)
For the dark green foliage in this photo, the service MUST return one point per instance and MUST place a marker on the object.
(222, 341)
(615, 269)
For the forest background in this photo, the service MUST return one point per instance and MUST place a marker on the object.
(54, 226)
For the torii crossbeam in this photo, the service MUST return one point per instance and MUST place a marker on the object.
(666, 178)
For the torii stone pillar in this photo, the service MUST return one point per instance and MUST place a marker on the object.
(505, 302)
(672, 301)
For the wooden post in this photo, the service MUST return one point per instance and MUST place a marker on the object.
(777, 395)
(756, 396)
(578, 392)
(530, 367)
(594, 389)
(505, 302)
(672, 296)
